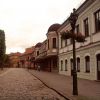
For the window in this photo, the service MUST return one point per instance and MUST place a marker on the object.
(61, 65)
(61, 43)
(71, 63)
(86, 27)
(48, 43)
(27, 58)
(66, 65)
(77, 29)
(54, 42)
(87, 63)
(71, 41)
(97, 20)
(78, 64)
(37, 53)
(66, 42)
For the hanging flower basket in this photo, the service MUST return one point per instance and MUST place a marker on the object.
(80, 37)
(67, 35)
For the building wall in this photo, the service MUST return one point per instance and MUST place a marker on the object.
(48, 54)
(50, 37)
(90, 47)
(91, 51)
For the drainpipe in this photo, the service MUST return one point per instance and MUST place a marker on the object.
(57, 51)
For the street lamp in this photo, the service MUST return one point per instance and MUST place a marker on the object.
(73, 18)
(79, 38)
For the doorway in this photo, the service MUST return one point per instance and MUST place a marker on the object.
(98, 67)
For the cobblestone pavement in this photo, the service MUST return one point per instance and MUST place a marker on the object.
(18, 84)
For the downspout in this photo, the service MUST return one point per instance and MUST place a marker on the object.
(57, 52)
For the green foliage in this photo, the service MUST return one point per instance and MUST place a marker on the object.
(6, 62)
(2, 47)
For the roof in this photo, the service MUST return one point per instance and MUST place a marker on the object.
(79, 10)
(54, 27)
(29, 50)
(15, 54)
(38, 44)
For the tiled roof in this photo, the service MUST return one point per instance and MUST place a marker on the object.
(15, 54)
(29, 50)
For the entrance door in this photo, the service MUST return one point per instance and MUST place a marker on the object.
(98, 67)
(71, 63)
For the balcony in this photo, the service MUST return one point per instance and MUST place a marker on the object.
(41, 55)
(52, 52)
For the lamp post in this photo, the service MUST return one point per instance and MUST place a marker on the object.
(79, 38)
(72, 19)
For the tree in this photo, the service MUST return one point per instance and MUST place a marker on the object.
(7, 62)
(2, 48)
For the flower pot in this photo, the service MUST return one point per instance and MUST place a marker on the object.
(80, 37)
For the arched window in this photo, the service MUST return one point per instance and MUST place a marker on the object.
(87, 63)
(61, 65)
(78, 64)
(66, 65)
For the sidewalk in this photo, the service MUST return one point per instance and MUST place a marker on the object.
(88, 90)
(2, 71)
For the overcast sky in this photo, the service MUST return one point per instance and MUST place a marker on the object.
(26, 22)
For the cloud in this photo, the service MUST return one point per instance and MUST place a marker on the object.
(26, 22)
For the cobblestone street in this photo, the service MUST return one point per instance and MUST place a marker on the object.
(18, 84)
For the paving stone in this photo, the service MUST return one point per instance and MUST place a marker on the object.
(18, 84)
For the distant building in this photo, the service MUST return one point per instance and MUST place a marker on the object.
(46, 53)
(27, 58)
(14, 59)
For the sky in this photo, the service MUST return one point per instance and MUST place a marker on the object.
(26, 22)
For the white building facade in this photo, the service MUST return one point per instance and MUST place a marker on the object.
(88, 52)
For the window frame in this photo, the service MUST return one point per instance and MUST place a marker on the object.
(37, 53)
(61, 42)
(54, 43)
(86, 27)
(77, 28)
(66, 65)
(78, 64)
(87, 64)
(61, 65)
(48, 43)
(97, 26)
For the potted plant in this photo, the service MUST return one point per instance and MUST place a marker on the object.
(80, 37)
(65, 35)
